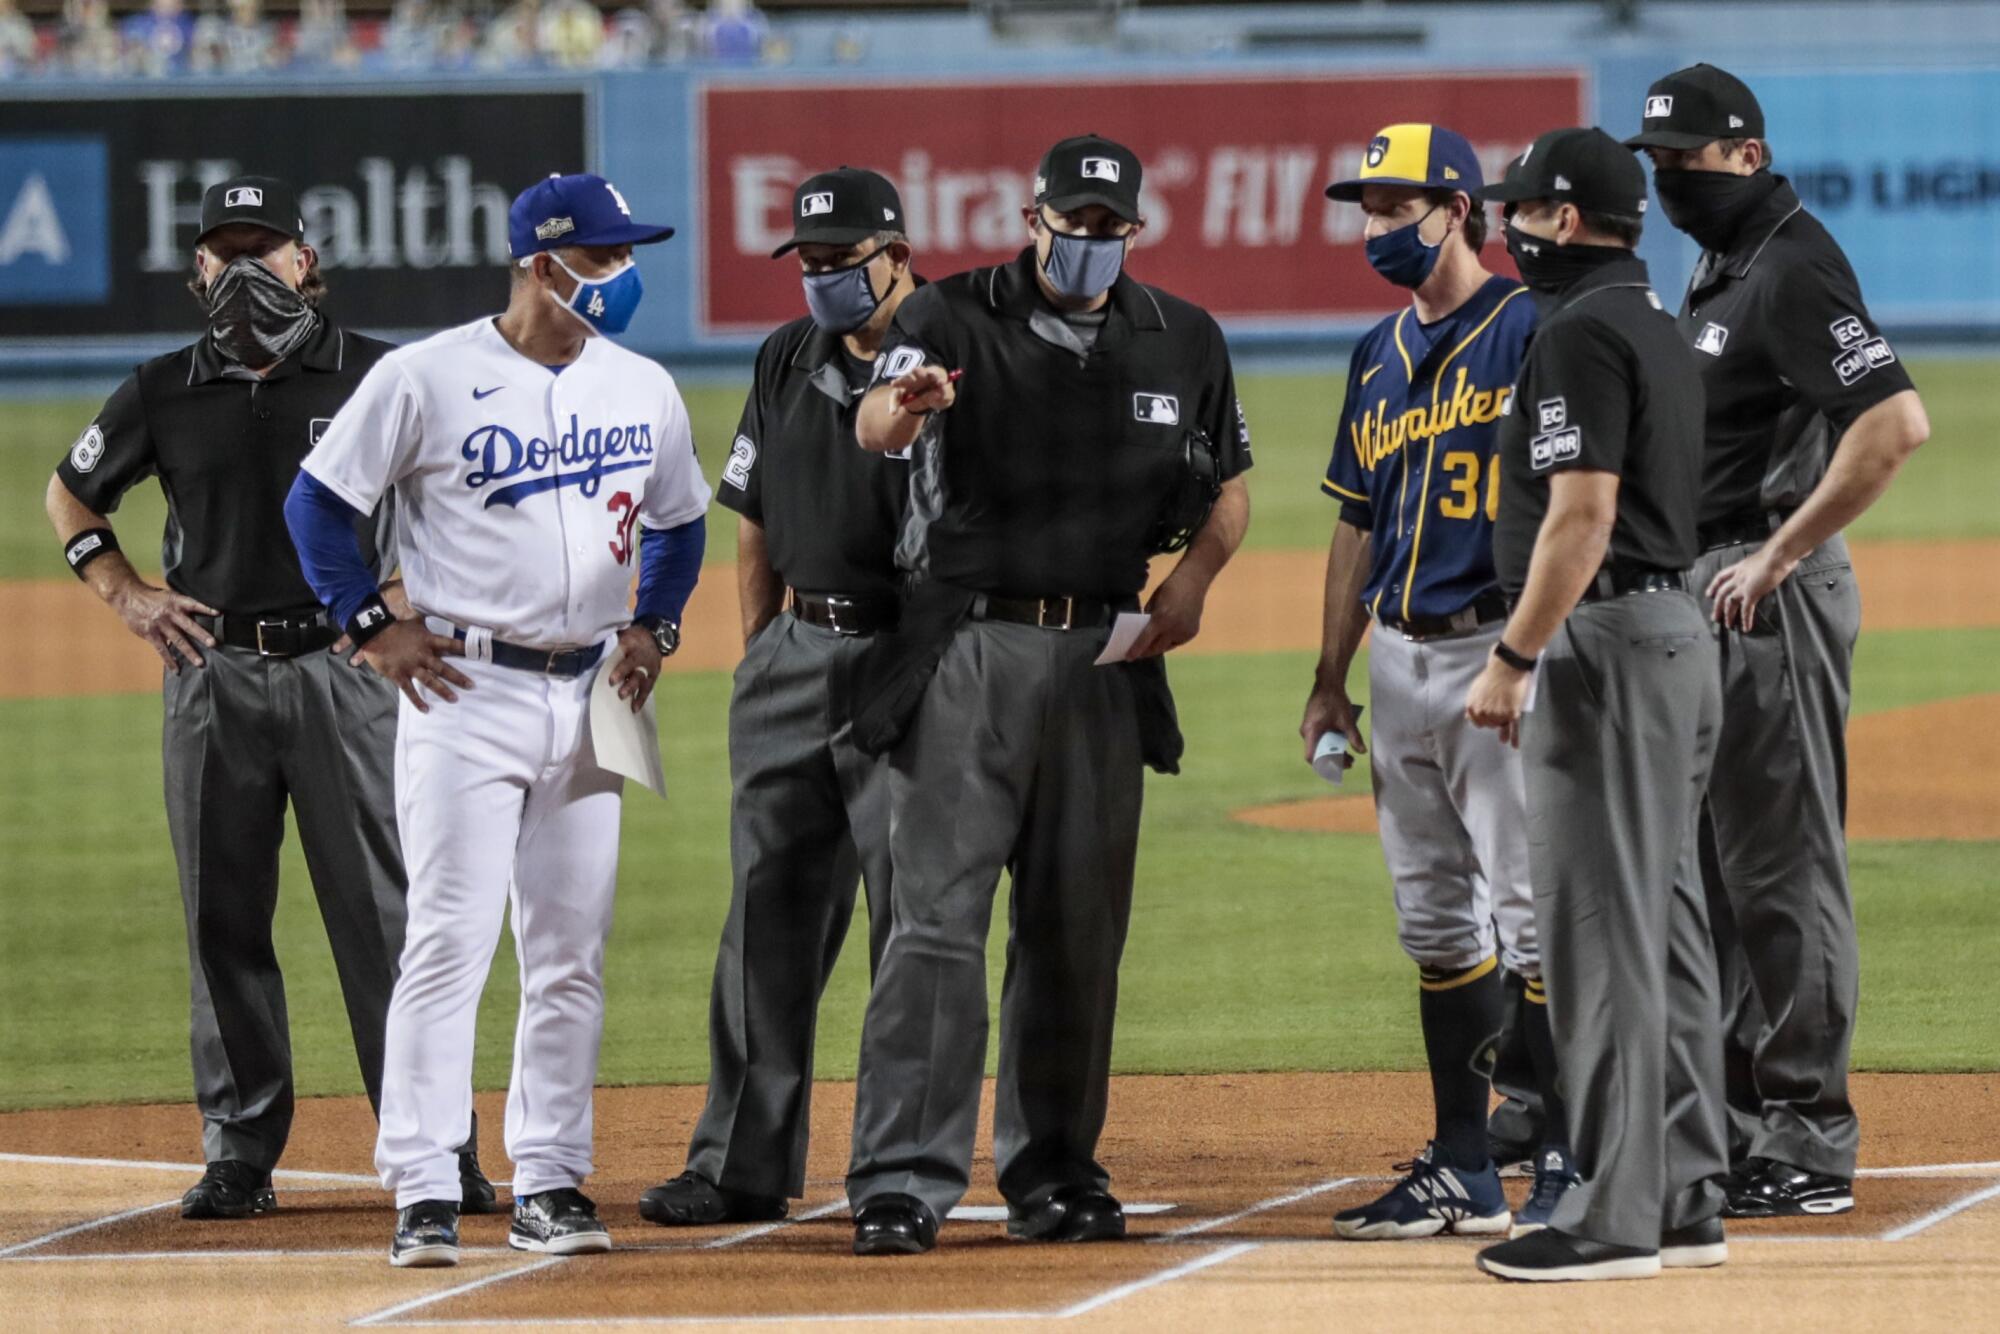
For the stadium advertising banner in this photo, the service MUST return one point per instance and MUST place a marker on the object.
(1904, 169)
(405, 195)
(1235, 170)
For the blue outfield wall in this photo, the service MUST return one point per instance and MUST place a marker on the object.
(1886, 116)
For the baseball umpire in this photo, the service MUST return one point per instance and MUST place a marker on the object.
(259, 712)
(1604, 643)
(1810, 415)
(1416, 475)
(817, 525)
(1096, 426)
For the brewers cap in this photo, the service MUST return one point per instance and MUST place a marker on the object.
(1696, 106)
(1585, 167)
(1422, 157)
(583, 209)
(1089, 170)
(264, 201)
(841, 207)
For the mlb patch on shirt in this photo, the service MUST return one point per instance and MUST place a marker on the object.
(1553, 447)
(1162, 409)
(1712, 339)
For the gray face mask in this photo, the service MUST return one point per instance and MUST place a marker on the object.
(254, 318)
(1084, 267)
(842, 300)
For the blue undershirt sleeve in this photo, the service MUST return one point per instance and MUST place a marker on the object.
(322, 526)
(669, 566)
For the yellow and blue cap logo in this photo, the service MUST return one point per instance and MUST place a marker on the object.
(1423, 157)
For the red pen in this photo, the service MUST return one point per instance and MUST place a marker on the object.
(907, 399)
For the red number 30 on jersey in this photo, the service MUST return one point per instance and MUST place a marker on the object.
(628, 514)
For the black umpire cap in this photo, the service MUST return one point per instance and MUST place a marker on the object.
(264, 201)
(1696, 106)
(1089, 170)
(1585, 167)
(841, 207)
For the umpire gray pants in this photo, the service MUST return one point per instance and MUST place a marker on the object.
(1778, 887)
(809, 815)
(243, 735)
(1022, 755)
(1617, 749)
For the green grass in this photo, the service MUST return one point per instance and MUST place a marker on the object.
(1250, 949)
(1948, 490)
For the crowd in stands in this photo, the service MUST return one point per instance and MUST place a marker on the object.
(224, 37)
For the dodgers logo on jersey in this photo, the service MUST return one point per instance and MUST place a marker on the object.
(590, 454)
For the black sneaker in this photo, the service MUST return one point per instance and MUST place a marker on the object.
(1779, 1190)
(1696, 1246)
(229, 1189)
(426, 1236)
(894, 1225)
(692, 1200)
(557, 1222)
(1072, 1213)
(1552, 1256)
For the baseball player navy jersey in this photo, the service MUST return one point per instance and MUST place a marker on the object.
(522, 488)
(1413, 458)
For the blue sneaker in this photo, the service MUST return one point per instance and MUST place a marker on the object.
(1428, 1200)
(1553, 1178)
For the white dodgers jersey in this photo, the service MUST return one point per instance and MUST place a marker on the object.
(519, 488)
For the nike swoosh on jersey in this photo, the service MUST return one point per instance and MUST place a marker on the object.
(488, 393)
(1369, 374)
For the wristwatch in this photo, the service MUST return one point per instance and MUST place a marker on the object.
(665, 633)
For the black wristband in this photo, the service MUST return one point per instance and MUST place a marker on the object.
(1513, 659)
(371, 619)
(87, 546)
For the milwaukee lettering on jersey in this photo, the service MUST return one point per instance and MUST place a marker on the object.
(587, 455)
(1376, 435)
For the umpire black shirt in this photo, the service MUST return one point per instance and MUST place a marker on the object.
(1789, 355)
(1607, 386)
(1047, 475)
(829, 509)
(226, 450)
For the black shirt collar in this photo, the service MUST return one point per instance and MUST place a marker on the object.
(325, 350)
(1751, 238)
(1627, 272)
(1013, 291)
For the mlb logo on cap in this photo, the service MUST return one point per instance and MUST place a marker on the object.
(815, 204)
(1100, 169)
(243, 196)
(1659, 106)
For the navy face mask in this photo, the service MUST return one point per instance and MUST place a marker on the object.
(1402, 256)
(1084, 267)
(842, 300)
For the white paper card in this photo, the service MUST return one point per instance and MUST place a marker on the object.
(627, 743)
(1125, 632)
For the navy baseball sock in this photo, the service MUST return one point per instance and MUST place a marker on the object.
(1542, 1047)
(1461, 1014)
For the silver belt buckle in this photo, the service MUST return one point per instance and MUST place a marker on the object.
(1068, 613)
(263, 652)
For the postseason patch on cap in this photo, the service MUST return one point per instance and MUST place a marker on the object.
(554, 227)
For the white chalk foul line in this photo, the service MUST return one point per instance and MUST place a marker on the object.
(1124, 1290)
(1936, 1216)
(1275, 1202)
(141, 1165)
(1933, 1170)
(765, 1229)
(71, 1231)
(458, 1290)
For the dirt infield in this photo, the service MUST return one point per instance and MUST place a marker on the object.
(1265, 601)
(1239, 1174)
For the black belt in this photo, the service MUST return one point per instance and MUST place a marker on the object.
(278, 634)
(563, 662)
(1615, 583)
(847, 614)
(1048, 613)
(1752, 528)
(1485, 609)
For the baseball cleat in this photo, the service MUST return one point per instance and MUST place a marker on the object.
(557, 1222)
(894, 1225)
(1696, 1246)
(1430, 1199)
(1073, 1213)
(1553, 1178)
(692, 1200)
(426, 1236)
(229, 1189)
(475, 1193)
(1766, 1188)
(1550, 1256)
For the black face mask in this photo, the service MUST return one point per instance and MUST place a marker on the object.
(1711, 206)
(254, 318)
(1551, 269)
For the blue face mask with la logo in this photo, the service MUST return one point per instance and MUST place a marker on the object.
(605, 304)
